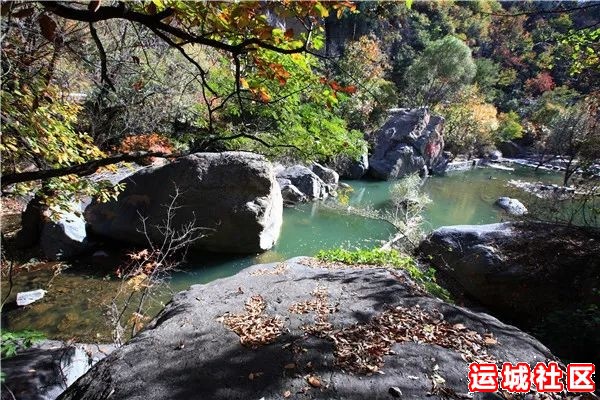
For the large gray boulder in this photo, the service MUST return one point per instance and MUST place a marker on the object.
(305, 180)
(349, 168)
(410, 141)
(45, 370)
(511, 206)
(234, 195)
(187, 352)
(540, 276)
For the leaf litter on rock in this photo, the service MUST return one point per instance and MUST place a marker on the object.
(361, 347)
(254, 327)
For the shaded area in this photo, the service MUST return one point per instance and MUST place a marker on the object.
(186, 353)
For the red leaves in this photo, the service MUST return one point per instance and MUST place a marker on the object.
(543, 82)
(336, 87)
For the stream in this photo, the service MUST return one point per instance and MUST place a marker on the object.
(76, 304)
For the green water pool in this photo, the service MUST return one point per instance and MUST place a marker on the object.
(76, 303)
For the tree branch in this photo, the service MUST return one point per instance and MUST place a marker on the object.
(155, 22)
(103, 67)
(83, 169)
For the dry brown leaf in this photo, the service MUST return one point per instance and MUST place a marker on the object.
(314, 381)
(287, 394)
(490, 341)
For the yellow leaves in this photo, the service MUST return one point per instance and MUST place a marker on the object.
(138, 282)
(261, 94)
(322, 11)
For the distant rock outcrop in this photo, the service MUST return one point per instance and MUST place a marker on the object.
(410, 141)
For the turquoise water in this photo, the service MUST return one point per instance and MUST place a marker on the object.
(77, 302)
(461, 197)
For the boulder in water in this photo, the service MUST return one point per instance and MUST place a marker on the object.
(410, 141)
(511, 206)
(306, 181)
(234, 195)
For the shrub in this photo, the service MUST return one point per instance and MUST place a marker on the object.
(14, 341)
(152, 142)
(391, 258)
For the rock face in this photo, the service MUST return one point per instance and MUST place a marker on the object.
(61, 236)
(349, 168)
(495, 155)
(291, 195)
(518, 269)
(511, 206)
(305, 180)
(187, 352)
(511, 149)
(410, 141)
(328, 175)
(232, 194)
(44, 371)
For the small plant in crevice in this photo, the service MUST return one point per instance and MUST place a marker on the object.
(425, 278)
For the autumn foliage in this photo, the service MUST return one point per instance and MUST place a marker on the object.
(543, 82)
(151, 142)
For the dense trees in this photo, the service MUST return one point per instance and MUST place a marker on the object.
(79, 79)
(444, 68)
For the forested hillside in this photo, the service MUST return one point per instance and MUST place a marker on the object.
(82, 84)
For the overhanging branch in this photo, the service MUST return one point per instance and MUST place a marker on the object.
(83, 169)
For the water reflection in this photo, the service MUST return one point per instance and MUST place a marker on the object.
(76, 303)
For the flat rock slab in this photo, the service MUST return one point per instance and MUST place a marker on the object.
(188, 353)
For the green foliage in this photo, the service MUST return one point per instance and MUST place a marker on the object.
(487, 77)
(584, 48)
(296, 118)
(445, 67)
(471, 123)
(12, 342)
(387, 258)
(510, 127)
(365, 62)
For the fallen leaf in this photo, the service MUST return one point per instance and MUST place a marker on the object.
(490, 341)
(314, 381)
(287, 394)
(289, 366)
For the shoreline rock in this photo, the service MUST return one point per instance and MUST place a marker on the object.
(234, 195)
(526, 273)
(188, 351)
